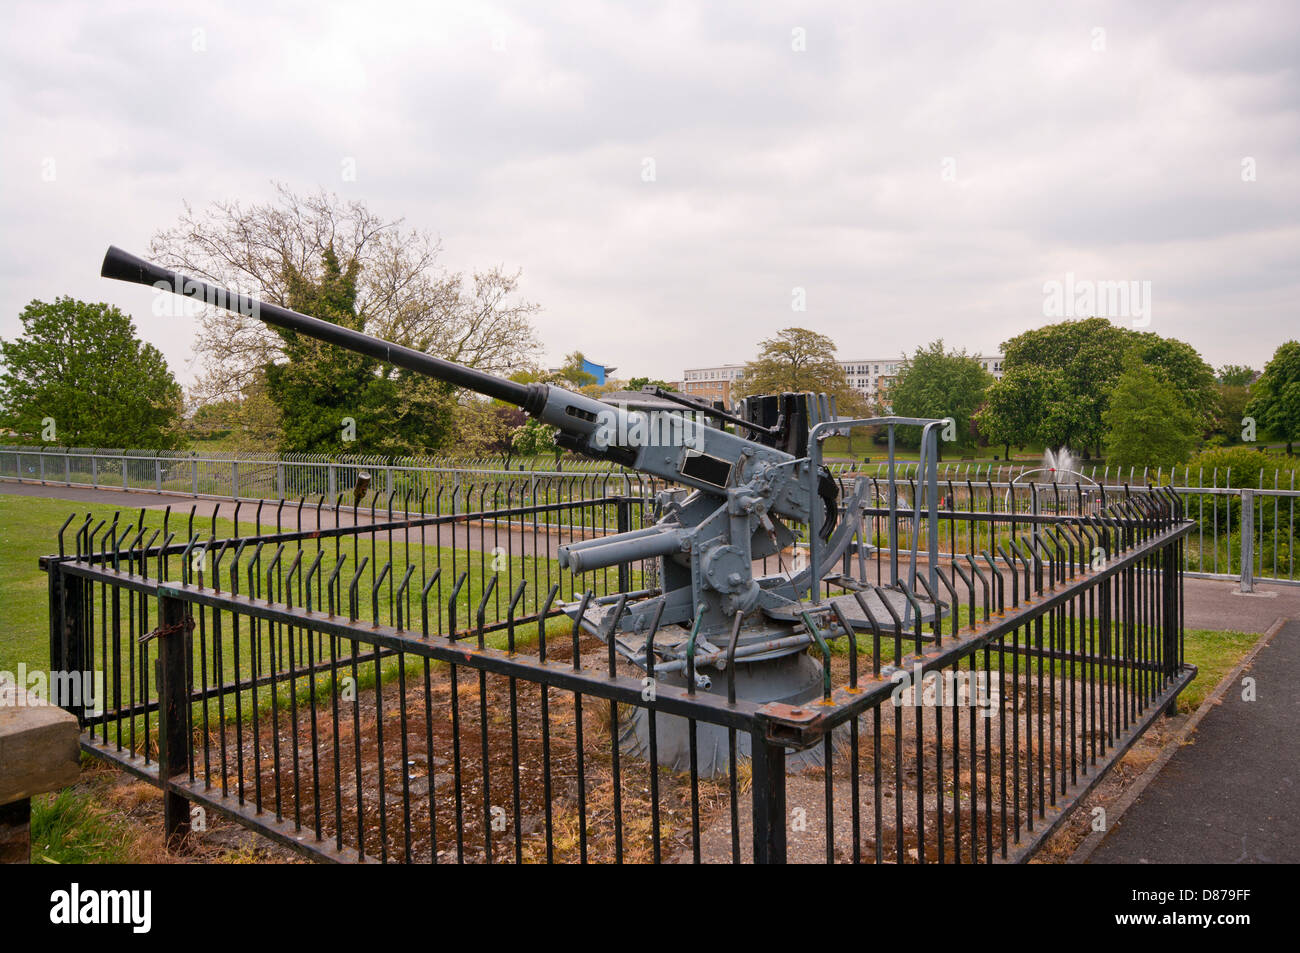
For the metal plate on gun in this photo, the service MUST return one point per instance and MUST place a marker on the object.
(853, 611)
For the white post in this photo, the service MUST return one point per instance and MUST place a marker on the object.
(1247, 540)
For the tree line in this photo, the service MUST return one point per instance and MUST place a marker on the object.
(1132, 397)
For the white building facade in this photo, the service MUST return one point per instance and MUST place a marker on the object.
(872, 376)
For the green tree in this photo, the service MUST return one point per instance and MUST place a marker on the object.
(81, 367)
(1146, 421)
(333, 400)
(1233, 386)
(1232, 404)
(1275, 397)
(533, 439)
(1014, 407)
(938, 383)
(1236, 466)
(637, 383)
(1180, 366)
(1084, 360)
(1236, 375)
(796, 360)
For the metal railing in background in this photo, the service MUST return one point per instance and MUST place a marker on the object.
(263, 476)
(84, 466)
(406, 687)
(1242, 535)
(1247, 534)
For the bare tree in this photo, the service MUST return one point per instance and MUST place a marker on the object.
(403, 294)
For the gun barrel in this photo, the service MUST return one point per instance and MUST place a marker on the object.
(622, 548)
(124, 266)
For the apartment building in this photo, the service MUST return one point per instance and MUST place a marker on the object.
(873, 376)
(713, 383)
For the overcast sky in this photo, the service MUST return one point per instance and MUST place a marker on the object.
(919, 170)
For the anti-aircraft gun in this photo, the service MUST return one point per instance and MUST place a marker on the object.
(744, 488)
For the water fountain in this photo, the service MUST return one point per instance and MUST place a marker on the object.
(1059, 468)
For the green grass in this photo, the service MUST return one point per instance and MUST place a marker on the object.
(865, 448)
(29, 528)
(1215, 654)
(67, 828)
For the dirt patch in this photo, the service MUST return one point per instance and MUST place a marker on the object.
(462, 767)
(459, 765)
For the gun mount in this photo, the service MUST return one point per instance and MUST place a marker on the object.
(740, 492)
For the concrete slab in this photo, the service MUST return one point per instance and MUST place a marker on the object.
(39, 746)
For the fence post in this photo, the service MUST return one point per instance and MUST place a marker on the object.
(234, 479)
(196, 476)
(623, 510)
(173, 712)
(68, 628)
(769, 798)
(333, 483)
(67, 469)
(1247, 540)
(1171, 588)
(125, 485)
(279, 481)
(94, 470)
(42, 467)
(157, 474)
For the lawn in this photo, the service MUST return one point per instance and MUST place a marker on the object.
(1215, 654)
(29, 529)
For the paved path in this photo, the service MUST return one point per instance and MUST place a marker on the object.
(1232, 795)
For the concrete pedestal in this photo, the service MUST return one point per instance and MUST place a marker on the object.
(39, 752)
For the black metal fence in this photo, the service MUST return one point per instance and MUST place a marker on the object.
(364, 683)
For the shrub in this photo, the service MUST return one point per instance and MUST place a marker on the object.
(1243, 466)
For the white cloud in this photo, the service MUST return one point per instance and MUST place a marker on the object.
(517, 132)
